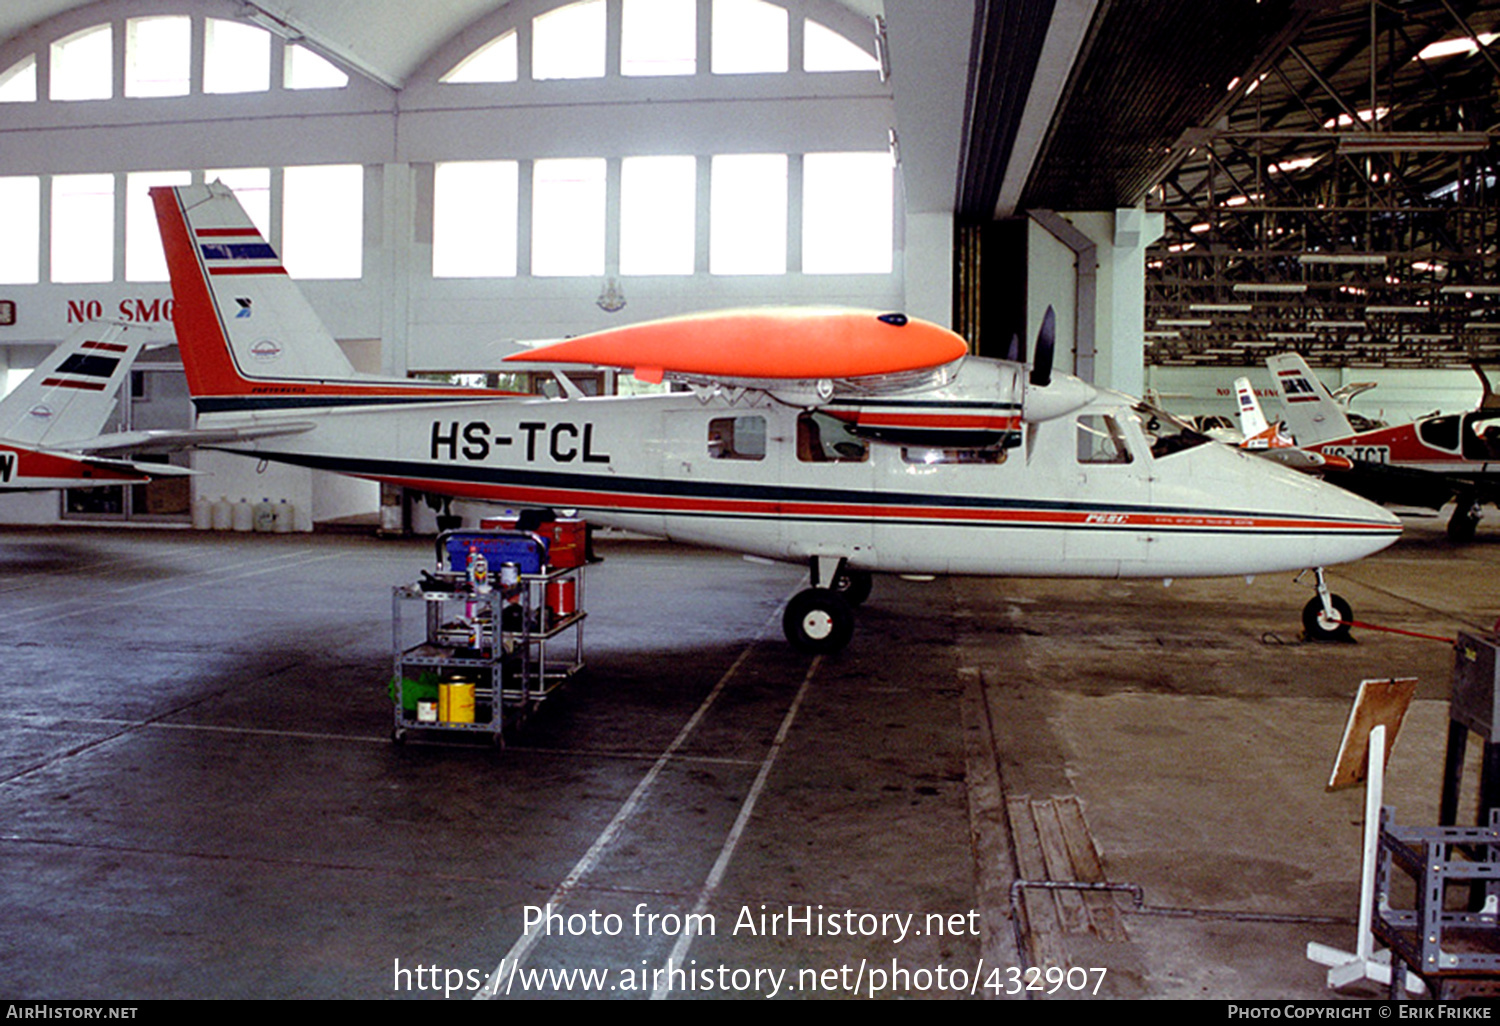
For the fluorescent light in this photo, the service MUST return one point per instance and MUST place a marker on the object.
(1290, 336)
(1269, 287)
(1161, 334)
(1413, 142)
(1221, 307)
(1337, 324)
(1203, 322)
(1398, 309)
(1463, 290)
(1482, 325)
(1465, 45)
(1342, 258)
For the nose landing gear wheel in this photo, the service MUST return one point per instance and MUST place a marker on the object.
(818, 621)
(1319, 627)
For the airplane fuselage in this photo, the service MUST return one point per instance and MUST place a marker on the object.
(1461, 449)
(1083, 495)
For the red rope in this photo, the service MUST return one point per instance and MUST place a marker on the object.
(1397, 630)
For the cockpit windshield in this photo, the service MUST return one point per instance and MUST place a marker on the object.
(1165, 433)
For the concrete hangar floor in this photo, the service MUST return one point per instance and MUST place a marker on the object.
(199, 797)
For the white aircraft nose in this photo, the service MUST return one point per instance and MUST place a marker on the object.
(1279, 519)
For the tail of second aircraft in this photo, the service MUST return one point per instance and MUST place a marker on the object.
(1309, 409)
(249, 339)
(70, 395)
(1252, 420)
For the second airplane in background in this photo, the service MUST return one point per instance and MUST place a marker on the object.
(1426, 463)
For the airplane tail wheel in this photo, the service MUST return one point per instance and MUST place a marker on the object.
(818, 621)
(1317, 625)
(853, 586)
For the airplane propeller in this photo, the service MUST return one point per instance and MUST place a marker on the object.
(1046, 342)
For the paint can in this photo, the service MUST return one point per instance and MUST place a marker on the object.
(456, 702)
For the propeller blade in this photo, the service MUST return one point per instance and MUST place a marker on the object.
(1016, 351)
(1046, 341)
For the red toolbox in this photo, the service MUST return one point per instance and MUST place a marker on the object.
(567, 538)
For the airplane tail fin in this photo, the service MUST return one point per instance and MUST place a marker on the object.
(243, 326)
(1252, 420)
(70, 395)
(1309, 409)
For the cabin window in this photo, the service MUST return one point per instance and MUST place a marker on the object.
(825, 439)
(737, 438)
(1440, 432)
(1100, 440)
(1482, 437)
(947, 457)
(1165, 433)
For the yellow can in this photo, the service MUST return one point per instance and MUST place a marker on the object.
(456, 702)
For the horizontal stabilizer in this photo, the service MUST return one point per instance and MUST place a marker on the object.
(175, 441)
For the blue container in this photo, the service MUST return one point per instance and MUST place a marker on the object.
(528, 551)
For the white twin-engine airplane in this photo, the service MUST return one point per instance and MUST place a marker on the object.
(50, 422)
(851, 442)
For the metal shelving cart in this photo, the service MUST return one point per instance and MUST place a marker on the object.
(456, 644)
(540, 646)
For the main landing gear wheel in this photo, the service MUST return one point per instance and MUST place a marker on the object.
(818, 621)
(1319, 627)
(1464, 521)
(853, 586)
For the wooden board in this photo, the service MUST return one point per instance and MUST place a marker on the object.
(1378, 702)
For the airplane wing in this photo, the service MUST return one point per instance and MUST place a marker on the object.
(71, 394)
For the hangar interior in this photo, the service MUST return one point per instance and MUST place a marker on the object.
(202, 803)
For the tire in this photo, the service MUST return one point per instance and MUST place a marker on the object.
(1316, 624)
(1464, 521)
(853, 586)
(818, 621)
